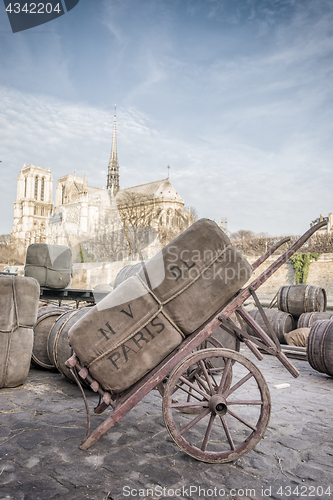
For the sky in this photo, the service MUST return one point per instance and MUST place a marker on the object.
(236, 96)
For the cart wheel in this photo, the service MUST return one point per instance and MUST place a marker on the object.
(232, 420)
(194, 375)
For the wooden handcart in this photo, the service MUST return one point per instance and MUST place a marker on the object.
(216, 403)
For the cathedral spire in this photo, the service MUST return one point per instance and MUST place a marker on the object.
(113, 169)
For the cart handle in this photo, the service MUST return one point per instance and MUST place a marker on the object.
(245, 293)
(269, 252)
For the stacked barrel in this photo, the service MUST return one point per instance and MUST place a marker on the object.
(51, 348)
(302, 320)
(305, 303)
(298, 307)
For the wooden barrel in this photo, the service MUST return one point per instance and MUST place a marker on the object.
(306, 320)
(299, 299)
(281, 322)
(46, 317)
(58, 348)
(319, 347)
(127, 272)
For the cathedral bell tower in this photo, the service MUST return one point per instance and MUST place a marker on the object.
(113, 169)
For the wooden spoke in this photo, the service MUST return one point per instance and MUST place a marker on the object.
(194, 387)
(189, 404)
(202, 364)
(245, 422)
(204, 376)
(194, 421)
(208, 431)
(224, 377)
(238, 385)
(189, 392)
(227, 433)
(244, 402)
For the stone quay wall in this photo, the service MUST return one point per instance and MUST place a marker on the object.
(90, 274)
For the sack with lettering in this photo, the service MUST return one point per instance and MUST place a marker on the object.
(124, 336)
(141, 321)
(19, 298)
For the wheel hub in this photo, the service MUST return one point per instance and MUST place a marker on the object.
(217, 404)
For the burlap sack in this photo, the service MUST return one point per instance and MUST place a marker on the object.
(50, 265)
(297, 337)
(141, 321)
(195, 274)
(19, 297)
(123, 337)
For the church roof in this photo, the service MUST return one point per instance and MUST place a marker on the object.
(156, 189)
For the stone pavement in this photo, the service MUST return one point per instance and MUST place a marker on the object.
(43, 422)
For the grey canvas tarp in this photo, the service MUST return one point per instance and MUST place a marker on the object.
(50, 265)
(19, 297)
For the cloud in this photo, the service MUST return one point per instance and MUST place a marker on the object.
(238, 101)
(278, 192)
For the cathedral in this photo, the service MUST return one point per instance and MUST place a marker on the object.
(100, 224)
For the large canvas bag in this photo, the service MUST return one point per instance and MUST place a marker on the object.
(140, 322)
(50, 265)
(124, 336)
(195, 274)
(19, 297)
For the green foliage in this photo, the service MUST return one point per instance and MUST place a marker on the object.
(301, 263)
(84, 256)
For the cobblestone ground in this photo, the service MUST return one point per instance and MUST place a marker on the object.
(43, 422)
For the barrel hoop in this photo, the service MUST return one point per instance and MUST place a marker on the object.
(311, 351)
(315, 303)
(41, 363)
(325, 298)
(329, 323)
(315, 347)
(57, 336)
(50, 332)
(160, 309)
(281, 327)
(309, 319)
(47, 315)
(284, 298)
(321, 342)
(305, 299)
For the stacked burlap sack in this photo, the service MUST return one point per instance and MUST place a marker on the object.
(50, 265)
(19, 297)
(147, 316)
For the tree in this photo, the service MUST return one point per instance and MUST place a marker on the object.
(242, 234)
(137, 214)
(9, 252)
